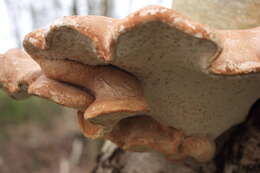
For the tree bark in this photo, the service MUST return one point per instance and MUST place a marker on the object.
(114, 160)
(238, 151)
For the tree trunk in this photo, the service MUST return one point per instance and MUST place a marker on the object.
(238, 151)
(114, 160)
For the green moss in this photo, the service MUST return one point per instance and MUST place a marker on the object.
(16, 111)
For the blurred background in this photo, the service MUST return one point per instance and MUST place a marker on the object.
(37, 136)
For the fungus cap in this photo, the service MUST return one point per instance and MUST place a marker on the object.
(175, 60)
(22, 77)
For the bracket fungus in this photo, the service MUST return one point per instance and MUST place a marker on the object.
(21, 77)
(152, 81)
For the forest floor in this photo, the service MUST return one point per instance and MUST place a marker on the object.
(53, 146)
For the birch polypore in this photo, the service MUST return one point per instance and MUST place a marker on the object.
(153, 75)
